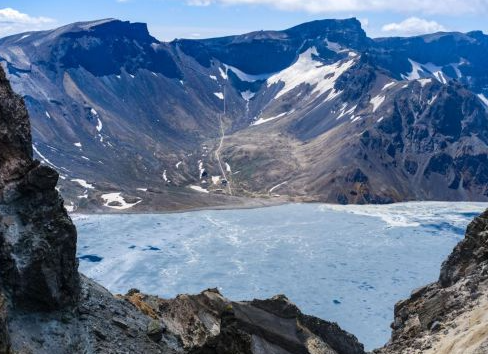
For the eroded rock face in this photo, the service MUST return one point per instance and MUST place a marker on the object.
(451, 315)
(209, 323)
(470, 255)
(4, 337)
(37, 238)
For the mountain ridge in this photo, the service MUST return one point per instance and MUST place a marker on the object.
(317, 112)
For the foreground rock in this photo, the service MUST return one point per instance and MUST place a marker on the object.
(209, 323)
(451, 315)
(38, 240)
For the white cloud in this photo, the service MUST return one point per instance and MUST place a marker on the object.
(412, 26)
(9, 15)
(364, 23)
(329, 6)
(13, 21)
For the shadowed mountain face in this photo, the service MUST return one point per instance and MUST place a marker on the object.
(318, 112)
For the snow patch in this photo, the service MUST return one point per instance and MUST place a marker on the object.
(425, 82)
(483, 99)
(43, 158)
(48, 115)
(458, 72)
(70, 208)
(77, 145)
(200, 168)
(277, 186)
(213, 77)
(99, 125)
(142, 189)
(306, 70)
(199, 189)
(377, 102)
(165, 177)
(223, 74)
(117, 198)
(432, 100)
(83, 183)
(266, 120)
(220, 95)
(23, 37)
(436, 71)
(416, 70)
(178, 164)
(348, 112)
(227, 167)
(247, 77)
(215, 179)
(388, 85)
(248, 95)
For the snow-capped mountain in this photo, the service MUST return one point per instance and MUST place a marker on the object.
(318, 112)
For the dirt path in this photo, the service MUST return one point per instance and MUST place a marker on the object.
(217, 152)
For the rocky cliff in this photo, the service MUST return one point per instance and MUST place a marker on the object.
(451, 315)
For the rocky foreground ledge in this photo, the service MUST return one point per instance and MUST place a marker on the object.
(46, 306)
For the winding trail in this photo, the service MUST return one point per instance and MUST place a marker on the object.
(217, 151)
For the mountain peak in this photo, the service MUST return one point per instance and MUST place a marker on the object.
(111, 27)
(347, 31)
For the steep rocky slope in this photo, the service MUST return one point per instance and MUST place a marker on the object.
(316, 112)
(451, 315)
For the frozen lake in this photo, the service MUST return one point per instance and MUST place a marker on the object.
(348, 264)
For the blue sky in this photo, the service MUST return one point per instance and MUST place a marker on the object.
(168, 19)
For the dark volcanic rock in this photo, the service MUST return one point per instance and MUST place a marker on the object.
(470, 255)
(15, 135)
(448, 316)
(4, 336)
(37, 238)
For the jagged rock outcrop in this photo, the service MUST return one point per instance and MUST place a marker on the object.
(37, 238)
(210, 324)
(451, 315)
